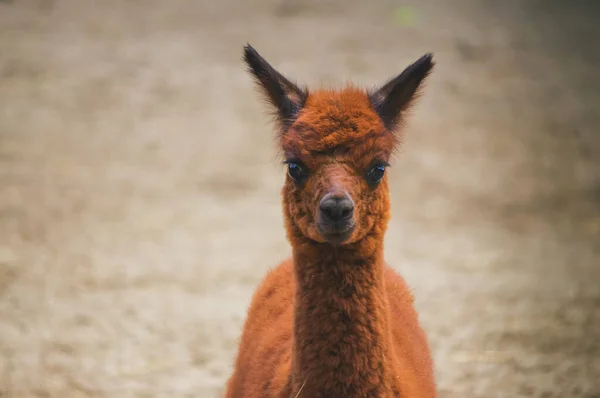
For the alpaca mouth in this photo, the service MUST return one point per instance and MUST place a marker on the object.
(336, 233)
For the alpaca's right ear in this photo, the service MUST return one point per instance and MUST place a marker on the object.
(287, 98)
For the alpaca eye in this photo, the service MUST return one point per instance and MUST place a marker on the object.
(376, 174)
(296, 172)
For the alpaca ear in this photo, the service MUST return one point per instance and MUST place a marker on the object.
(287, 98)
(399, 93)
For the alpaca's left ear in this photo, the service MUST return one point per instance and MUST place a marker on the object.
(287, 98)
(399, 93)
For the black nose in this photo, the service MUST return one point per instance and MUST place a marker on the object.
(336, 207)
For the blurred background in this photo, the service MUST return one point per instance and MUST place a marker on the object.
(139, 186)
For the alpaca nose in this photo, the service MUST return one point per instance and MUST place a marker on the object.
(337, 207)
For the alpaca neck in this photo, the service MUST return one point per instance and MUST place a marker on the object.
(341, 332)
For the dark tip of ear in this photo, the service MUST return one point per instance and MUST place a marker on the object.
(399, 93)
(248, 47)
(422, 67)
(252, 57)
(426, 61)
(258, 65)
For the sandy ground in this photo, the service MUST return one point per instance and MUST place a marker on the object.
(139, 187)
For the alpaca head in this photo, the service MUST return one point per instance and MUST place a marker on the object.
(337, 145)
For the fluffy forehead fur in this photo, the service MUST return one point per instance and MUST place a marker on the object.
(341, 125)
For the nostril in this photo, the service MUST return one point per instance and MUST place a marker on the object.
(346, 207)
(328, 208)
(336, 208)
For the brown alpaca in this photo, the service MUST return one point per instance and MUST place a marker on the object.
(335, 320)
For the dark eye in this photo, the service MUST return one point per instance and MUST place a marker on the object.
(375, 174)
(296, 172)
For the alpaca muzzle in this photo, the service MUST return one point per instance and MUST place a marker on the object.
(336, 217)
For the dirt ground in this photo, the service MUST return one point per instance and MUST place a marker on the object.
(139, 186)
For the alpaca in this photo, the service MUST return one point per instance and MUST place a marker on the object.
(335, 320)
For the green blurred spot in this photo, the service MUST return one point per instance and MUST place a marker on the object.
(404, 16)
